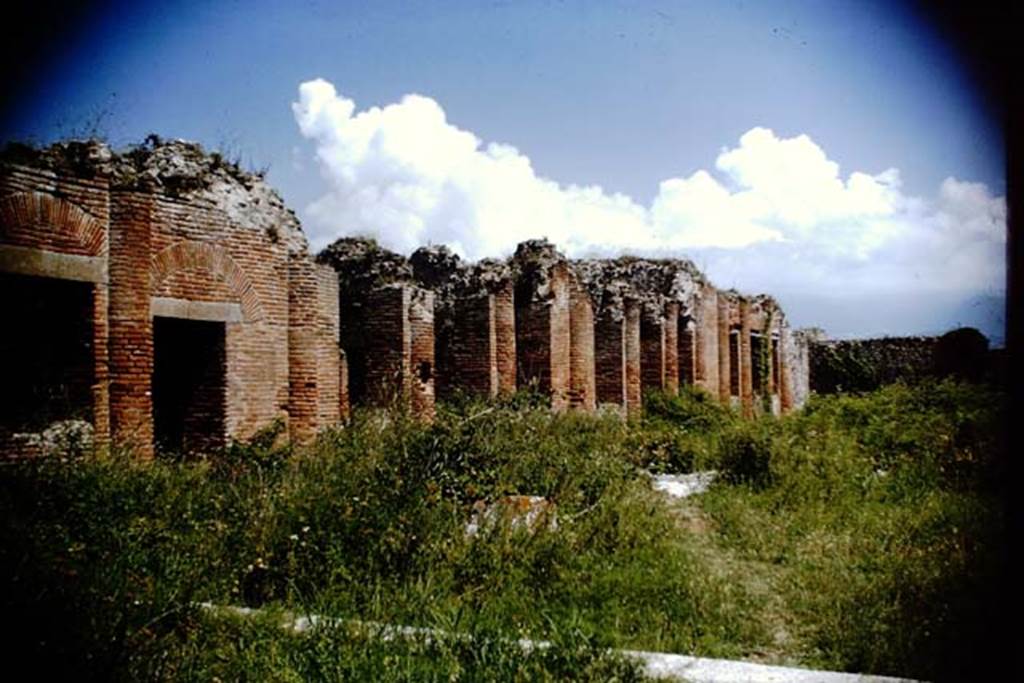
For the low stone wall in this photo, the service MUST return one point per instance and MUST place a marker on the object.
(866, 364)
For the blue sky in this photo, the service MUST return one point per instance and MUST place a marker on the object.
(656, 127)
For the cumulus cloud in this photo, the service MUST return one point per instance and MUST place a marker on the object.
(775, 213)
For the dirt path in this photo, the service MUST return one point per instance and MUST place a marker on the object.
(760, 583)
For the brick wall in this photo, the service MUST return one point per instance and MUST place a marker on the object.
(399, 349)
(505, 337)
(543, 336)
(686, 353)
(421, 352)
(707, 349)
(652, 348)
(672, 347)
(139, 248)
(470, 354)
(313, 359)
(725, 356)
(745, 360)
(583, 390)
(610, 357)
(131, 326)
(385, 351)
(634, 397)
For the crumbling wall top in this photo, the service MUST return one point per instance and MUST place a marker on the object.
(175, 168)
(651, 282)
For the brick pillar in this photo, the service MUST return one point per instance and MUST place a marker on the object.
(543, 338)
(131, 327)
(344, 400)
(634, 397)
(774, 374)
(400, 349)
(471, 362)
(386, 346)
(101, 365)
(583, 383)
(652, 349)
(672, 347)
(786, 391)
(302, 350)
(724, 366)
(505, 337)
(707, 350)
(746, 361)
(687, 351)
(421, 352)
(328, 337)
(610, 357)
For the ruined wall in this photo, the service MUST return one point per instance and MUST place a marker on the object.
(166, 231)
(542, 319)
(866, 364)
(582, 368)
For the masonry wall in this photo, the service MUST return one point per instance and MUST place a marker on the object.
(421, 368)
(610, 357)
(149, 254)
(671, 377)
(687, 348)
(399, 348)
(543, 337)
(634, 393)
(505, 337)
(652, 348)
(57, 227)
(583, 382)
(708, 372)
(471, 363)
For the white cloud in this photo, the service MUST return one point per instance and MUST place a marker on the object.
(776, 213)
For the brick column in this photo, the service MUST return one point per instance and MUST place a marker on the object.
(652, 349)
(610, 357)
(707, 351)
(543, 338)
(583, 387)
(746, 361)
(386, 345)
(344, 401)
(687, 351)
(786, 390)
(672, 347)
(505, 337)
(471, 352)
(634, 398)
(302, 351)
(131, 327)
(101, 365)
(421, 352)
(724, 367)
(328, 338)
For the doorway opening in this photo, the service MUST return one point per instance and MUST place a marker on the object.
(189, 385)
(47, 362)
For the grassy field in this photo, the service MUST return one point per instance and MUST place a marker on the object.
(864, 534)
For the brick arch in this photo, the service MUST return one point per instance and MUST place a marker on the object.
(218, 262)
(42, 221)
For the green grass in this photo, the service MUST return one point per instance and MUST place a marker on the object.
(864, 531)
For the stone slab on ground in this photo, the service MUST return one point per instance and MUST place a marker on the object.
(658, 665)
(683, 485)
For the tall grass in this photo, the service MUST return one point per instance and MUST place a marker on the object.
(884, 514)
(878, 511)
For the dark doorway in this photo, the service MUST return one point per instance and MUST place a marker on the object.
(46, 353)
(734, 362)
(189, 385)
